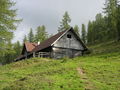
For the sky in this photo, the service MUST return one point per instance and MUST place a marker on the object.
(49, 13)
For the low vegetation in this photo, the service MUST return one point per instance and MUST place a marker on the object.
(94, 72)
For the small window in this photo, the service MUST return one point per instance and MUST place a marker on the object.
(69, 36)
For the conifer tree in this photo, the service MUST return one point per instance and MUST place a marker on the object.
(31, 36)
(41, 34)
(7, 26)
(25, 39)
(118, 22)
(76, 28)
(83, 32)
(111, 14)
(64, 24)
(17, 48)
(7, 19)
(89, 33)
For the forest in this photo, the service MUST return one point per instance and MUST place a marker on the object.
(105, 27)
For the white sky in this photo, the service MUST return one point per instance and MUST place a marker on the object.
(50, 12)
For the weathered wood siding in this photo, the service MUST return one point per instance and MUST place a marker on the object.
(72, 42)
(67, 47)
(60, 53)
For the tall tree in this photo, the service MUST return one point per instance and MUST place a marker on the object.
(25, 39)
(7, 26)
(7, 19)
(7, 54)
(41, 34)
(76, 28)
(118, 22)
(64, 24)
(89, 33)
(31, 36)
(17, 48)
(100, 28)
(83, 32)
(97, 30)
(111, 14)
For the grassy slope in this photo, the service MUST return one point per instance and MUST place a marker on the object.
(96, 72)
(105, 48)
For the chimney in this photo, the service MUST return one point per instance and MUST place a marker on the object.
(39, 43)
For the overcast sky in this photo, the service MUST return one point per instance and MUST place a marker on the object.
(50, 12)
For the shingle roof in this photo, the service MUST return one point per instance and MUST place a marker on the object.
(19, 57)
(48, 42)
(30, 46)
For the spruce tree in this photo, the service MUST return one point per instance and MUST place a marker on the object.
(118, 22)
(17, 48)
(111, 14)
(76, 29)
(64, 24)
(89, 33)
(31, 36)
(83, 33)
(41, 34)
(25, 39)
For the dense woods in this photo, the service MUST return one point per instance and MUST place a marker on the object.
(106, 26)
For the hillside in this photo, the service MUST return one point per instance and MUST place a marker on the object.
(105, 48)
(98, 71)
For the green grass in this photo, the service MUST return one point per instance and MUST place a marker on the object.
(91, 72)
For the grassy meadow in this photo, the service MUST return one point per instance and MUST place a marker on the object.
(97, 71)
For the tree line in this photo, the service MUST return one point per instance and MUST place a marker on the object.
(39, 35)
(106, 27)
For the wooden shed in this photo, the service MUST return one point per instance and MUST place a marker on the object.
(63, 44)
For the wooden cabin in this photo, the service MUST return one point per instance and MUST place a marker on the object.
(63, 44)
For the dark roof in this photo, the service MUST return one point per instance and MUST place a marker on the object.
(48, 42)
(19, 57)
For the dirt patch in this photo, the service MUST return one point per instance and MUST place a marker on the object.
(88, 84)
(80, 71)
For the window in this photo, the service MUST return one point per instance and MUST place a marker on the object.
(69, 36)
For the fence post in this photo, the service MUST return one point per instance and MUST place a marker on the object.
(33, 54)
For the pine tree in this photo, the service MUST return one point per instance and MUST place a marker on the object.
(31, 36)
(111, 14)
(7, 53)
(76, 28)
(83, 36)
(118, 22)
(25, 39)
(41, 34)
(64, 24)
(89, 33)
(17, 48)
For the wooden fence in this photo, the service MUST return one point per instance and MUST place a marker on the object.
(42, 54)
